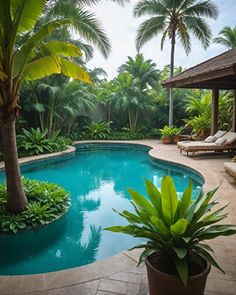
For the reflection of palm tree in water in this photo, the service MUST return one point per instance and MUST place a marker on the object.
(80, 253)
(89, 249)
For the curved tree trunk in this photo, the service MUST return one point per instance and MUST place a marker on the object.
(171, 98)
(16, 199)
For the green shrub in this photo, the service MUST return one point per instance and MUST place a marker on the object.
(175, 228)
(125, 135)
(35, 142)
(61, 143)
(200, 124)
(177, 131)
(47, 202)
(98, 130)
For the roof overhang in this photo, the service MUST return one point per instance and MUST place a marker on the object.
(207, 77)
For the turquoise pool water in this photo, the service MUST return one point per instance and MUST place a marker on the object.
(97, 179)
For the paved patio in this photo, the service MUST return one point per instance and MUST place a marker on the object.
(119, 274)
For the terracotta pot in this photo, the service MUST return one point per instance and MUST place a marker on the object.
(176, 139)
(161, 283)
(166, 140)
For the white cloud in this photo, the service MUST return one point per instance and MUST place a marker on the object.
(121, 27)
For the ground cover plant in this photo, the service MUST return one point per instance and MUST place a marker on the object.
(46, 203)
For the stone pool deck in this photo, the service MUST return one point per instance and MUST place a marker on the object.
(119, 274)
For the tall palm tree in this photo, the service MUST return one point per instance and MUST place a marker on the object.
(227, 37)
(175, 19)
(33, 60)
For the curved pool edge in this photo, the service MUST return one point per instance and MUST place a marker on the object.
(96, 270)
(40, 158)
(69, 277)
(152, 153)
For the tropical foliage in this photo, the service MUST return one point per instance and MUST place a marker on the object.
(175, 229)
(47, 202)
(98, 130)
(35, 142)
(227, 37)
(199, 108)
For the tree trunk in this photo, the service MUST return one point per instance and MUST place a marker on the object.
(171, 98)
(130, 120)
(16, 199)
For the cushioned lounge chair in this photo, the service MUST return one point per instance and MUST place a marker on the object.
(213, 138)
(227, 142)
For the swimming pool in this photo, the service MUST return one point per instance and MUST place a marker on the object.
(97, 177)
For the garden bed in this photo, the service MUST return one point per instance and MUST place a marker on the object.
(46, 203)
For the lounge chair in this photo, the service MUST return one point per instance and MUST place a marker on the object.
(231, 167)
(212, 138)
(227, 142)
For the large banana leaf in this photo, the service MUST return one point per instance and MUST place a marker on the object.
(42, 67)
(60, 48)
(48, 65)
(23, 55)
(25, 13)
(74, 71)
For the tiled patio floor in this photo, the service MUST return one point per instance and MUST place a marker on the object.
(119, 275)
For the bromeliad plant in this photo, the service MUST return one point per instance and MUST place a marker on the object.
(175, 228)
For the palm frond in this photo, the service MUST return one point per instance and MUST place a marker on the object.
(184, 37)
(227, 37)
(89, 28)
(148, 29)
(150, 7)
(202, 9)
(200, 29)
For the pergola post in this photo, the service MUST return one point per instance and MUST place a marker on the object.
(215, 110)
(234, 113)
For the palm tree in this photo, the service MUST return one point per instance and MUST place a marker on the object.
(57, 105)
(176, 20)
(227, 37)
(33, 60)
(131, 98)
(144, 70)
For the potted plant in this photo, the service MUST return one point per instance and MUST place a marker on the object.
(176, 132)
(177, 259)
(166, 135)
(200, 126)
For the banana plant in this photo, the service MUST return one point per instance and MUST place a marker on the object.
(31, 60)
(175, 228)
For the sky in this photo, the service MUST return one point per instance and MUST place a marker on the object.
(121, 26)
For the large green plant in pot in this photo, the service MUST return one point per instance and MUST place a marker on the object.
(177, 258)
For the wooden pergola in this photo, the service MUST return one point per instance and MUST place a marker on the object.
(218, 73)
